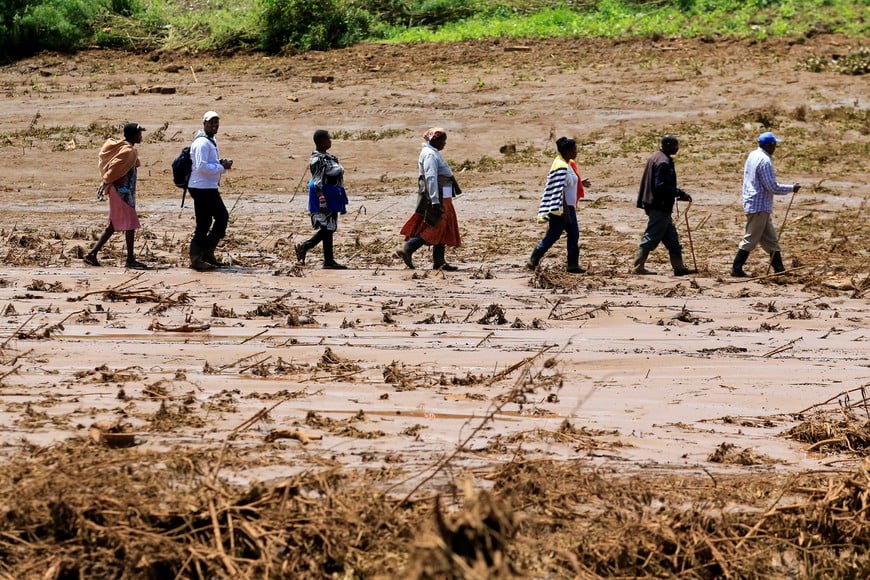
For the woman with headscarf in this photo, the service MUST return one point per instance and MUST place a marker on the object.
(434, 220)
(326, 199)
(559, 206)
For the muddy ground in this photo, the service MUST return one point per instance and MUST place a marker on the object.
(423, 379)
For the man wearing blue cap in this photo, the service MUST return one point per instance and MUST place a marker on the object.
(759, 187)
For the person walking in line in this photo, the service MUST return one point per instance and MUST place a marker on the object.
(119, 159)
(559, 206)
(205, 177)
(759, 187)
(434, 220)
(326, 200)
(657, 194)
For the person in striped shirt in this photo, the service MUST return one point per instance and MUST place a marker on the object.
(759, 187)
(558, 207)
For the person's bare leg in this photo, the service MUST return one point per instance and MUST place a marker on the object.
(132, 262)
(91, 257)
(130, 236)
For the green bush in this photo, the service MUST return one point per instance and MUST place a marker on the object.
(9, 10)
(124, 7)
(300, 25)
(28, 26)
(62, 25)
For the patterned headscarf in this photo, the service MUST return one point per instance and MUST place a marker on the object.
(433, 133)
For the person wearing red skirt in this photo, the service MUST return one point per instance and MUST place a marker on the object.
(434, 220)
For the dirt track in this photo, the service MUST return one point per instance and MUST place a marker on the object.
(394, 368)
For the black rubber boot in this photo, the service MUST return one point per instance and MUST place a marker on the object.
(574, 266)
(535, 258)
(134, 264)
(438, 260)
(329, 262)
(640, 263)
(737, 266)
(209, 257)
(407, 251)
(776, 262)
(196, 260)
(679, 267)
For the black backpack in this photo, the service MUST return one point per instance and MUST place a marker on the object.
(182, 167)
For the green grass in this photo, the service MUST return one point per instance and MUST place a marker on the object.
(299, 25)
(612, 19)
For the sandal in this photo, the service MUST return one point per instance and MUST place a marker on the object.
(137, 265)
(91, 260)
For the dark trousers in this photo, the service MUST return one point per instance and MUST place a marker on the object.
(567, 222)
(321, 235)
(660, 229)
(211, 217)
(325, 235)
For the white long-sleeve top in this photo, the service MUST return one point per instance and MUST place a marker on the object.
(207, 169)
(431, 165)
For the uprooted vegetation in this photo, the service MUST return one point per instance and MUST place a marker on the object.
(91, 508)
(856, 62)
(82, 510)
(839, 425)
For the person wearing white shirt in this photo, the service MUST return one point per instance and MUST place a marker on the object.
(205, 178)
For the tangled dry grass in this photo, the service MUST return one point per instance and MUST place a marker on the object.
(839, 425)
(83, 510)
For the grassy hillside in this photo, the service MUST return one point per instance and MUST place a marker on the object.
(277, 26)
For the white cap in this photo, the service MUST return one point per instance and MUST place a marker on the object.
(209, 116)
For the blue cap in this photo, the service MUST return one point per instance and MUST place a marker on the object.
(768, 139)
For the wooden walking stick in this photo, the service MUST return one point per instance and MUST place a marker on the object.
(781, 229)
(689, 234)
(296, 189)
(235, 203)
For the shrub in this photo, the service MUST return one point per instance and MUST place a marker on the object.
(124, 7)
(299, 25)
(28, 27)
(9, 11)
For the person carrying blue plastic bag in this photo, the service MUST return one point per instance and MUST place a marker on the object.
(326, 200)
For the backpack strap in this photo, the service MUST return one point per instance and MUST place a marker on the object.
(213, 142)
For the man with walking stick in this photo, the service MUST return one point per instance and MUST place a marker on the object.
(657, 195)
(759, 187)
